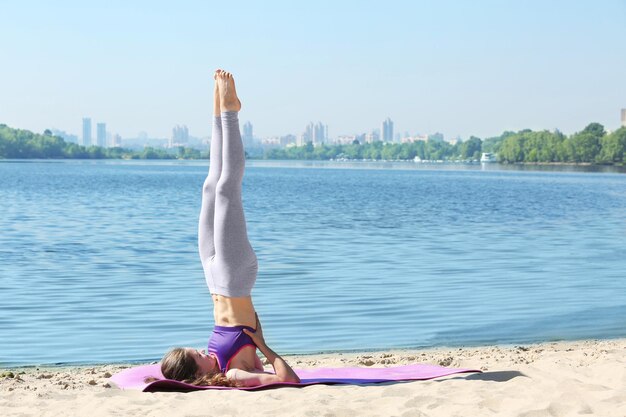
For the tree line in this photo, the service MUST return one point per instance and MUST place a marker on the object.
(19, 143)
(591, 145)
(426, 150)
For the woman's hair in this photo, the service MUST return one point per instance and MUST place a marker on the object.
(178, 364)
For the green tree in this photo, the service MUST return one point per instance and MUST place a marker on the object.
(584, 147)
(471, 148)
(95, 152)
(595, 129)
(613, 147)
(512, 149)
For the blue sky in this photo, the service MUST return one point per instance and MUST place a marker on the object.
(458, 67)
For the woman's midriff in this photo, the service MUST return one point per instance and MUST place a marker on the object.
(233, 311)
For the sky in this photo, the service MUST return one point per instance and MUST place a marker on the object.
(457, 67)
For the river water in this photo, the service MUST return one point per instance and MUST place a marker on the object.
(99, 263)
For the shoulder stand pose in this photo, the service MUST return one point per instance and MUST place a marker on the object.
(230, 267)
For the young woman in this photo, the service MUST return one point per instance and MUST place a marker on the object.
(230, 267)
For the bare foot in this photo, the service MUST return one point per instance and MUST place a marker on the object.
(228, 95)
(216, 95)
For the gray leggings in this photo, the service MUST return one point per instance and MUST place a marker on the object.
(229, 262)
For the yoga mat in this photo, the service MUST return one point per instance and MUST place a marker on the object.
(133, 378)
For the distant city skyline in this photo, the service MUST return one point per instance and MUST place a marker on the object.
(455, 67)
(315, 133)
(385, 134)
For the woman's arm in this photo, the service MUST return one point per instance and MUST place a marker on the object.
(281, 368)
(252, 379)
(283, 372)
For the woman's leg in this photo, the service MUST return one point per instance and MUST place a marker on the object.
(206, 243)
(235, 266)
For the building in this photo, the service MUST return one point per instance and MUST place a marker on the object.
(68, 137)
(416, 138)
(623, 117)
(319, 133)
(372, 137)
(454, 141)
(117, 141)
(248, 137)
(316, 133)
(288, 140)
(101, 135)
(180, 136)
(346, 139)
(270, 142)
(86, 131)
(279, 141)
(386, 131)
(307, 136)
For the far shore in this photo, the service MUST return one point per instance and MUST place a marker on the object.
(550, 378)
(423, 162)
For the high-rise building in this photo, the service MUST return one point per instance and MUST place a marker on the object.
(86, 131)
(101, 135)
(623, 117)
(180, 136)
(117, 141)
(316, 133)
(248, 138)
(386, 132)
(307, 136)
(319, 133)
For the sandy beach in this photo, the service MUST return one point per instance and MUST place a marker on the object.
(547, 379)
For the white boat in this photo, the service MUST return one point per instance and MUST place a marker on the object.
(488, 157)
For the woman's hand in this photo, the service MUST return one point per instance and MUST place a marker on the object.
(256, 336)
(283, 371)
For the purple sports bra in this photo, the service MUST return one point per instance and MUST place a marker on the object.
(226, 342)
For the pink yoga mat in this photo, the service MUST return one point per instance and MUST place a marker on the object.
(133, 378)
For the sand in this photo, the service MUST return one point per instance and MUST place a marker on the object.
(547, 379)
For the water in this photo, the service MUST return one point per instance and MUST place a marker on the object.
(98, 260)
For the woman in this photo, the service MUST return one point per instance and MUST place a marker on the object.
(230, 267)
